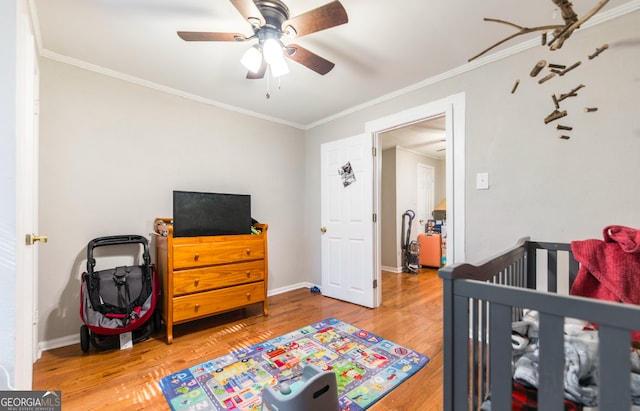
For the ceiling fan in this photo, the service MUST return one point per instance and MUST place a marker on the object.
(270, 22)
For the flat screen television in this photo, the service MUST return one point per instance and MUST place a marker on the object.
(207, 214)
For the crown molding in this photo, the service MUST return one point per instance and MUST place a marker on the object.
(159, 87)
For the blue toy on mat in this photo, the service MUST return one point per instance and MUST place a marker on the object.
(316, 391)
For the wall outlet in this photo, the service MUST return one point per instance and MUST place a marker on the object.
(482, 181)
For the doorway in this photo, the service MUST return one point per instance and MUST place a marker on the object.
(413, 178)
(453, 110)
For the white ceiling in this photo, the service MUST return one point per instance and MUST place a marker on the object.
(426, 137)
(387, 47)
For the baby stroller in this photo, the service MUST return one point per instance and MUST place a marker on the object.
(117, 300)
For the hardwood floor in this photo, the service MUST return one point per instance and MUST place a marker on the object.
(410, 314)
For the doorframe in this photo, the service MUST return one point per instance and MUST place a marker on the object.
(453, 107)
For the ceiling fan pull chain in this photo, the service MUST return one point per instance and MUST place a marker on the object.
(268, 96)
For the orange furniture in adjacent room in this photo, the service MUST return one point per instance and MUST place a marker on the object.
(430, 249)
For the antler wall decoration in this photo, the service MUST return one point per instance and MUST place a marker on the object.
(560, 33)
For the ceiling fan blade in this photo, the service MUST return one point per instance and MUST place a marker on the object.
(260, 73)
(249, 11)
(324, 17)
(210, 36)
(308, 59)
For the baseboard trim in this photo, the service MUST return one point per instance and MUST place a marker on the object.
(291, 287)
(57, 343)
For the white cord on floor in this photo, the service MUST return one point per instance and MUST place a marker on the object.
(6, 372)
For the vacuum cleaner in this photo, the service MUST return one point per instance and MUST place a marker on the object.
(410, 249)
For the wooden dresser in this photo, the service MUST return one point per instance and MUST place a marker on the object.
(203, 276)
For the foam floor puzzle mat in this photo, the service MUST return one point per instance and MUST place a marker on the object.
(367, 367)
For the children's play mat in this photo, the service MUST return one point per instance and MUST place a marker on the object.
(367, 367)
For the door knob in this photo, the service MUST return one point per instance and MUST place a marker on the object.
(323, 230)
(29, 239)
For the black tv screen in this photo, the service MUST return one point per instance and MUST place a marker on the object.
(206, 214)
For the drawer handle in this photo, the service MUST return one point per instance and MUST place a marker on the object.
(196, 256)
(196, 307)
(248, 251)
(248, 274)
(248, 296)
(196, 282)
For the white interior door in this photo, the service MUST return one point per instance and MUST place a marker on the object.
(27, 202)
(347, 220)
(424, 195)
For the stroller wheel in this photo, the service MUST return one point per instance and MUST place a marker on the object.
(84, 338)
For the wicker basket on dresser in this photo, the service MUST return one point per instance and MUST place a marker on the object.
(204, 276)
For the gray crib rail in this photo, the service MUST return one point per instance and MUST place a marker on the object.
(479, 304)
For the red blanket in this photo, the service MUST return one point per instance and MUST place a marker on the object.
(610, 268)
(524, 398)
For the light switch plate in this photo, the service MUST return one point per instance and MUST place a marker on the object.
(482, 181)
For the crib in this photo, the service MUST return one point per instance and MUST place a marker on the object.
(480, 303)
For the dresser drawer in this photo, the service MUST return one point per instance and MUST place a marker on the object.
(217, 276)
(193, 306)
(222, 252)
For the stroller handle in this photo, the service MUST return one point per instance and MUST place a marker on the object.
(116, 240)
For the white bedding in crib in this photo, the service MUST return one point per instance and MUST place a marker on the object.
(581, 360)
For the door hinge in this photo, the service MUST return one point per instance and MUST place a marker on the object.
(375, 217)
(375, 284)
(373, 151)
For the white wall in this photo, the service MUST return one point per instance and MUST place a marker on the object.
(8, 41)
(112, 152)
(541, 186)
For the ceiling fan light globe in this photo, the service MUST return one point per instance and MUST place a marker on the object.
(272, 51)
(279, 68)
(252, 59)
